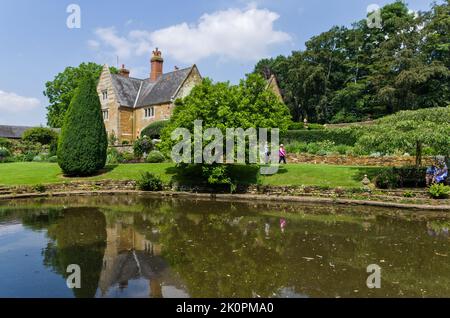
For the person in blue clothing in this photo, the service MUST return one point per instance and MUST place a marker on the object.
(441, 173)
(429, 177)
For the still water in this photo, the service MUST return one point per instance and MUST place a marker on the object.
(130, 246)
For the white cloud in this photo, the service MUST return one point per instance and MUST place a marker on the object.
(13, 103)
(239, 34)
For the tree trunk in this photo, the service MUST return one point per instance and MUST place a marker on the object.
(418, 154)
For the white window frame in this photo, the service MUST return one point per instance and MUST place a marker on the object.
(149, 112)
(105, 114)
(105, 94)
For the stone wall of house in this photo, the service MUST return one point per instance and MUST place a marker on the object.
(126, 125)
(162, 112)
(111, 104)
(357, 161)
(193, 79)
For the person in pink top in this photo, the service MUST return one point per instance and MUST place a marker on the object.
(282, 154)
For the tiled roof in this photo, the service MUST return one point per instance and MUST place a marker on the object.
(133, 92)
(16, 132)
(13, 132)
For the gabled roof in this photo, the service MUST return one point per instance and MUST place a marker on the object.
(127, 89)
(16, 132)
(133, 92)
(12, 132)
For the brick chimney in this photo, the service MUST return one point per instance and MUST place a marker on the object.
(124, 72)
(156, 65)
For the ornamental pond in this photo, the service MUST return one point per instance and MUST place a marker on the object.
(142, 246)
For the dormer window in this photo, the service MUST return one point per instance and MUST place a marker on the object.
(149, 112)
(105, 94)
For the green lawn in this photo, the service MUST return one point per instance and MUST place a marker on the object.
(30, 173)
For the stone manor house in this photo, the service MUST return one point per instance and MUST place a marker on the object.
(130, 104)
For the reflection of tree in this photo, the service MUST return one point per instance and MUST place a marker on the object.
(78, 238)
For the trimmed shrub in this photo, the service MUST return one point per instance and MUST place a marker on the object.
(340, 136)
(155, 157)
(44, 136)
(439, 191)
(141, 146)
(83, 141)
(149, 182)
(387, 180)
(153, 131)
(401, 177)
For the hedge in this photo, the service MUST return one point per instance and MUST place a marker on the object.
(340, 136)
(154, 129)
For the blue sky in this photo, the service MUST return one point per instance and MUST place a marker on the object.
(224, 38)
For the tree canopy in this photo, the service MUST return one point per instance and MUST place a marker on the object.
(61, 90)
(221, 105)
(360, 73)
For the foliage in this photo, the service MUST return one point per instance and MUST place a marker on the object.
(44, 136)
(340, 136)
(83, 141)
(439, 191)
(400, 177)
(39, 188)
(53, 159)
(387, 180)
(4, 153)
(153, 131)
(61, 90)
(222, 106)
(149, 182)
(410, 131)
(113, 156)
(155, 157)
(6, 143)
(360, 73)
(142, 146)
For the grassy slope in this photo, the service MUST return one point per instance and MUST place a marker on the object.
(30, 173)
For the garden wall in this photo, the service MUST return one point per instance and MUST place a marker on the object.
(385, 161)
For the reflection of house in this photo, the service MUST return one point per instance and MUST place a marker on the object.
(130, 257)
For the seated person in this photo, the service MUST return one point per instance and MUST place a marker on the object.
(429, 177)
(441, 173)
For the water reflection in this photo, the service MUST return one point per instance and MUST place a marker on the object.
(143, 247)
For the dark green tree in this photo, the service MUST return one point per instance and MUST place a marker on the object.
(83, 141)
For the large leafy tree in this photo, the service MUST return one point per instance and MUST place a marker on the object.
(221, 105)
(83, 141)
(410, 131)
(61, 90)
(359, 73)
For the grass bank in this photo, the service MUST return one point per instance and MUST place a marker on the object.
(31, 173)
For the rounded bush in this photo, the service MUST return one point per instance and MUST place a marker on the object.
(53, 159)
(4, 153)
(83, 141)
(37, 158)
(155, 157)
(153, 130)
(149, 182)
(44, 136)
